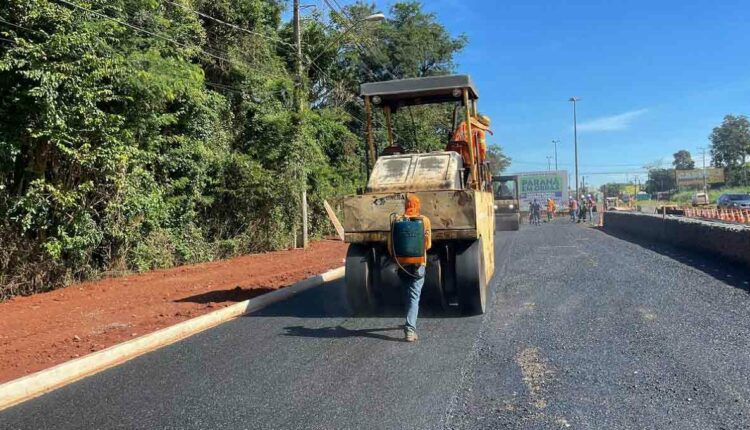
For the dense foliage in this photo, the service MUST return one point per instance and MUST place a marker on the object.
(730, 148)
(137, 134)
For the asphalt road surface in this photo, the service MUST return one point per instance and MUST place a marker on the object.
(583, 330)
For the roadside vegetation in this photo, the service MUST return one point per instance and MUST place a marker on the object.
(141, 134)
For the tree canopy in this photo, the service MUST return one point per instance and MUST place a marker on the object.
(683, 160)
(730, 148)
(660, 180)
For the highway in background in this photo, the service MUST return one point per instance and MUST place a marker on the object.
(583, 330)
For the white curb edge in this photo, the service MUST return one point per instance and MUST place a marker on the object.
(27, 387)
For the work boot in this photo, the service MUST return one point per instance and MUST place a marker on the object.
(410, 335)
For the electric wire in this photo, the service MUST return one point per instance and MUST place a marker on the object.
(3, 21)
(142, 30)
(229, 24)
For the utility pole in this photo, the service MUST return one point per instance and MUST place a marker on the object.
(299, 106)
(555, 142)
(705, 180)
(583, 185)
(549, 163)
(575, 136)
(297, 60)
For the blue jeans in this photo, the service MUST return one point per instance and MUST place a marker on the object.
(413, 292)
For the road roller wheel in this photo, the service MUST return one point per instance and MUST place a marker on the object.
(359, 278)
(433, 292)
(470, 279)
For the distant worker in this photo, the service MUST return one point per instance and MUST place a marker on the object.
(573, 206)
(413, 272)
(582, 209)
(591, 204)
(480, 125)
(550, 209)
(534, 209)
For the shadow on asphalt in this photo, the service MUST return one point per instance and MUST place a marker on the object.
(723, 270)
(329, 301)
(339, 332)
(234, 295)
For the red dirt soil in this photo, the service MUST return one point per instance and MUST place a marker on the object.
(40, 331)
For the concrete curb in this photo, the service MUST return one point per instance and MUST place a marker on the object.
(44, 381)
(725, 240)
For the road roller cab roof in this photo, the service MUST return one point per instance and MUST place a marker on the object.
(419, 91)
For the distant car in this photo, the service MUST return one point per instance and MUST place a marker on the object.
(700, 199)
(734, 201)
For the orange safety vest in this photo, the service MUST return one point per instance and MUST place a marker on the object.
(480, 140)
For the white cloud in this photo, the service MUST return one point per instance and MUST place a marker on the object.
(617, 122)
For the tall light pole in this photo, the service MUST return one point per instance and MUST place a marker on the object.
(705, 182)
(575, 137)
(555, 142)
(549, 163)
(298, 95)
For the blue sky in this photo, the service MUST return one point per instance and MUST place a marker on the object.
(654, 76)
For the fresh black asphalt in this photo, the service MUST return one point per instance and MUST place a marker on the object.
(583, 330)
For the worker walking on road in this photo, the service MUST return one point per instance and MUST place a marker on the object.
(582, 209)
(414, 269)
(573, 206)
(591, 204)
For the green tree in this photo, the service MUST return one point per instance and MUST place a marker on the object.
(730, 148)
(612, 189)
(683, 160)
(497, 159)
(660, 180)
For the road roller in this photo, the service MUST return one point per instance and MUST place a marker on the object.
(455, 190)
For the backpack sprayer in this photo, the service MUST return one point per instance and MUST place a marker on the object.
(406, 239)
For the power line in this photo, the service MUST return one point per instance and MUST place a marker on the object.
(371, 72)
(229, 24)
(17, 26)
(142, 30)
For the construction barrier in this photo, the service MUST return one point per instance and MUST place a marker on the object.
(717, 238)
(741, 216)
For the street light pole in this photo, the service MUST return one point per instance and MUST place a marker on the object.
(575, 136)
(298, 108)
(555, 142)
(299, 94)
(705, 182)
